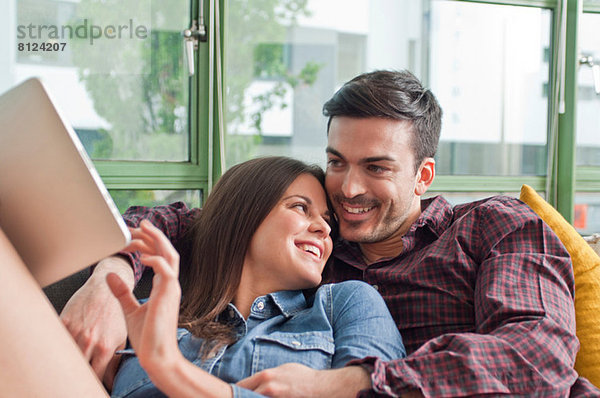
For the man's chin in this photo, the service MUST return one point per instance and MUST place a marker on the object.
(355, 232)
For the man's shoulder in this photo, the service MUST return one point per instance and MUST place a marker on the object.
(496, 206)
(491, 203)
(493, 216)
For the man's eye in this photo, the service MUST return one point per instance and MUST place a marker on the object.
(376, 169)
(334, 163)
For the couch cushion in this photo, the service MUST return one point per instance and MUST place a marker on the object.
(586, 267)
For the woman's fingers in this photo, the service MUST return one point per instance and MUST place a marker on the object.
(161, 243)
(160, 265)
(152, 243)
(122, 292)
(139, 245)
(165, 285)
(141, 237)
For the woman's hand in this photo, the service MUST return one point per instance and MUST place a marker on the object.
(152, 326)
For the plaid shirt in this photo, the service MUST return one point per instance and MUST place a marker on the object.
(482, 294)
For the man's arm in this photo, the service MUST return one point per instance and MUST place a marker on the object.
(173, 220)
(92, 315)
(95, 320)
(524, 341)
(294, 380)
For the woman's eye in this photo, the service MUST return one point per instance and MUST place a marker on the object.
(301, 206)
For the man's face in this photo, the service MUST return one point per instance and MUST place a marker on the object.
(371, 178)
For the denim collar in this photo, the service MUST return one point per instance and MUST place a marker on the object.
(285, 302)
(289, 302)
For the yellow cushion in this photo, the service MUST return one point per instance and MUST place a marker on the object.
(586, 267)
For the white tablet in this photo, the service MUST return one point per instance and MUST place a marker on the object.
(54, 207)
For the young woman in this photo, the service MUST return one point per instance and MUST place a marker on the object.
(257, 251)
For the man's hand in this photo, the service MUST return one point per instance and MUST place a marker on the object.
(294, 381)
(94, 318)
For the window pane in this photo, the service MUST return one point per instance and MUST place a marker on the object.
(489, 69)
(587, 213)
(114, 67)
(282, 66)
(588, 100)
(126, 198)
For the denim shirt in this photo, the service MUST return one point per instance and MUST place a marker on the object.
(341, 322)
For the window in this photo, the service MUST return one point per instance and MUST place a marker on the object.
(118, 73)
(588, 92)
(489, 66)
(587, 199)
(492, 65)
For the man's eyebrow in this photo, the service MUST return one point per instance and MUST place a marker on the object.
(370, 159)
(333, 152)
(378, 159)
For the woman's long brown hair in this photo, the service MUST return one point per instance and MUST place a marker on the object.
(220, 238)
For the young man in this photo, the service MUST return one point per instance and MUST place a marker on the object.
(482, 292)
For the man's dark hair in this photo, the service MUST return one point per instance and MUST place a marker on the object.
(396, 95)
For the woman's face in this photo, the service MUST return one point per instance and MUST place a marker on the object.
(290, 248)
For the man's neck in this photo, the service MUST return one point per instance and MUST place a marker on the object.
(373, 252)
(392, 246)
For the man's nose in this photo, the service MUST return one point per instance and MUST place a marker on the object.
(353, 184)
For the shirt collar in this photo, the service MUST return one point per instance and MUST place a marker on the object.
(286, 302)
(436, 213)
(289, 302)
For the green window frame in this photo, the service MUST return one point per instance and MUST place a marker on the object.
(204, 167)
(564, 178)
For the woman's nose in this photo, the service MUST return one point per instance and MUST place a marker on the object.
(320, 225)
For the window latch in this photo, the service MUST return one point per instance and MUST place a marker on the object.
(586, 59)
(191, 37)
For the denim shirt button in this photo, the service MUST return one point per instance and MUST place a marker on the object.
(231, 313)
(260, 305)
(375, 287)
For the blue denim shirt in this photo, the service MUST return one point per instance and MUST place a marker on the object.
(341, 322)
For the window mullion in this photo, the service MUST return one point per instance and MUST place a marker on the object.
(567, 121)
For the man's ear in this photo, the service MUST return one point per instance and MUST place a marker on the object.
(425, 176)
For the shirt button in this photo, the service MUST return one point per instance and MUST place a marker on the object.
(260, 305)
(231, 313)
(375, 287)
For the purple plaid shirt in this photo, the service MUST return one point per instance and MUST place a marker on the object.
(482, 294)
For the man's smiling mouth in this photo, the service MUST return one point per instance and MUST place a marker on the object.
(357, 210)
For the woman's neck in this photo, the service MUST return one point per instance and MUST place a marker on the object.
(248, 290)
